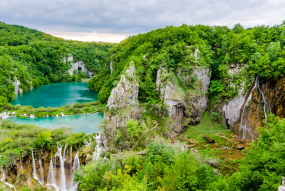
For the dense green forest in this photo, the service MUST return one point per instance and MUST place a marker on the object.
(144, 158)
(36, 58)
(166, 167)
(261, 49)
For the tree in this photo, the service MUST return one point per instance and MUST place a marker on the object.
(3, 103)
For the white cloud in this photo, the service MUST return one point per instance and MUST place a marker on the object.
(90, 37)
(114, 19)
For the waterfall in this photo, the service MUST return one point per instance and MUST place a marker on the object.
(3, 179)
(76, 165)
(32, 116)
(4, 115)
(62, 184)
(97, 152)
(42, 181)
(51, 176)
(2, 174)
(35, 176)
(56, 115)
(244, 128)
(62, 114)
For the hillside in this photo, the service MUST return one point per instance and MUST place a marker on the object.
(185, 108)
(31, 58)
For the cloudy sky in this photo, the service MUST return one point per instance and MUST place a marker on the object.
(114, 20)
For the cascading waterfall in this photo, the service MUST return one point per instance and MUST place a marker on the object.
(97, 152)
(35, 176)
(62, 114)
(244, 127)
(3, 179)
(62, 184)
(42, 181)
(76, 165)
(51, 176)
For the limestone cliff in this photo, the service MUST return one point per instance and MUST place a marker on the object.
(17, 83)
(77, 66)
(126, 91)
(231, 109)
(184, 102)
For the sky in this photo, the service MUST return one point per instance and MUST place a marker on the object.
(115, 20)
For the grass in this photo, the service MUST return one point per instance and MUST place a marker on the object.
(207, 127)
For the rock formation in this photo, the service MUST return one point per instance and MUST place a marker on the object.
(77, 66)
(17, 83)
(126, 92)
(184, 102)
(231, 109)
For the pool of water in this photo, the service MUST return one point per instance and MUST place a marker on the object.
(56, 95)
(88, 123)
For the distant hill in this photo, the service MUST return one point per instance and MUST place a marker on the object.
(30, 58)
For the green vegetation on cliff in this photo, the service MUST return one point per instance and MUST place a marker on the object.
(261, 50)
(36, 58)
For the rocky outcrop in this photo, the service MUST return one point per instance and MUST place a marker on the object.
(126, 92)
(77, 66)
(174, 99)
(231, 109)
(17, 83)
(184, 103)
(160, 81)
(199, 98)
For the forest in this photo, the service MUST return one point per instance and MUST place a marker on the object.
(206, 155)
(261, 48)
(36, 58)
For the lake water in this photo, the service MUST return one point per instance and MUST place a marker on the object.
(87, 123)
(56, 95)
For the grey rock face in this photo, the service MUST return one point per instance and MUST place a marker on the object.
(159, 84)
(231, 110)
(203, 77)
(184, 103)
(77, 66)
(126, 92)
(17, 83)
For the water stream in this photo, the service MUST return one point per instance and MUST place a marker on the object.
(42, 181)
(35, 176)
(245, 127)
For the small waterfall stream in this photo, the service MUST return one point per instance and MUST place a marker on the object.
(62, 184)
(35, 176)
(58, 180)
(3, 179)
(244, 127)
(42, 181)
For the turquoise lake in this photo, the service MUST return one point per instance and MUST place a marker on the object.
(56, 95)
(87, 123)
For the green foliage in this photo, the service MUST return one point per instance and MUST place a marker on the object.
(263, 166)
(134, 129)
(17, 140)
(216, 87)
(162, 168)
(35, 58)
(44, 139)
(3, 103)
